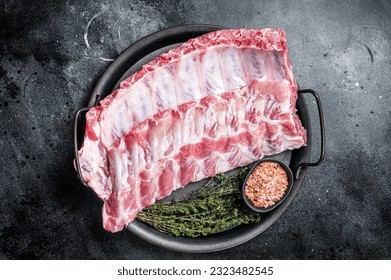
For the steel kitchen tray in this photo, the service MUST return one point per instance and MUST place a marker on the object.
(298, 160)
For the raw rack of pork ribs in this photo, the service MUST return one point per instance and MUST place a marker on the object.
(217, 102)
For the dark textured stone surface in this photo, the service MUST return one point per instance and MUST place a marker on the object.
(53, 52)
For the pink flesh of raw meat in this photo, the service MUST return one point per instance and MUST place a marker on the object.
(211, 64)
(196, 140)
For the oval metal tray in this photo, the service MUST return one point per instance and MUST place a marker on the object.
(130, 61)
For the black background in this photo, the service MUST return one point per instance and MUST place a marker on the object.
(52, 54)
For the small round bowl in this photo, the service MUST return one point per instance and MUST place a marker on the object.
(269, 208)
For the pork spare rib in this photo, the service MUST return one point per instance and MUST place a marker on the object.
(212, 64)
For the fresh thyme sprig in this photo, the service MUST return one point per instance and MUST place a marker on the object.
(213, 208)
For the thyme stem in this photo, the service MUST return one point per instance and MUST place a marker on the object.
(213, 208)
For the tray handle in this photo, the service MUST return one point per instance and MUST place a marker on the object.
(322, 133)
(75, 140)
